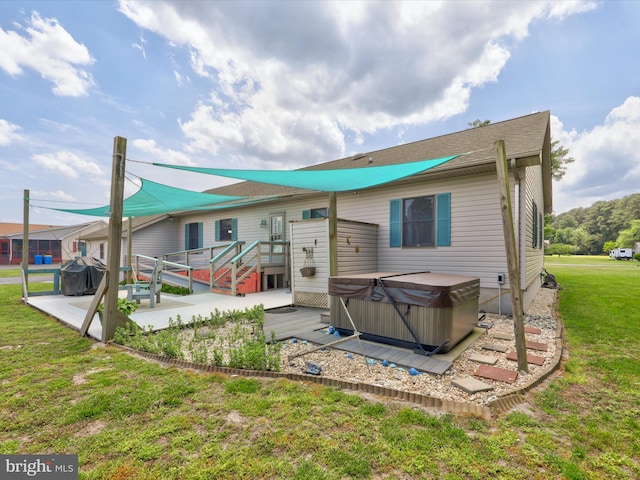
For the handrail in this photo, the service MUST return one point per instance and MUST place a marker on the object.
(229, 247)
(243, 259)
(178, 266)
(213, 279)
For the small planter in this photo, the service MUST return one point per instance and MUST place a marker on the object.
(308, 271)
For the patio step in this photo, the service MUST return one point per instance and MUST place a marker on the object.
(532, 359)
(496, 373)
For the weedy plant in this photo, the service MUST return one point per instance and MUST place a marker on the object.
(225, 338)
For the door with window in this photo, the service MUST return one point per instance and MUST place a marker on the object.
(276, 231)
(4, 252)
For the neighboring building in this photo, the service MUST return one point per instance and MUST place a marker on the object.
(444, 220)
(60, 244)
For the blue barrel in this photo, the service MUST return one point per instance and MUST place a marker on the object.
(48, 259)
(37, 259)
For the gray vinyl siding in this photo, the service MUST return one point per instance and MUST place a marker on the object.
(357, 253)
(477, 241)
(154, 240)
(534, 254)
(357, 247)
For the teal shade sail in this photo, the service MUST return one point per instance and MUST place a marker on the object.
(336, 180)
(155, 199)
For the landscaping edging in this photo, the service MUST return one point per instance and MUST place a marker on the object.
(498, 406)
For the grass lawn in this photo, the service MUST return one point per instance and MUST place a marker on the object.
(129, 418)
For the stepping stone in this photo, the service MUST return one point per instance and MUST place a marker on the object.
(495, 347)
(533, 330)
(496, 373)
(471, 385)
(541, 347)
(502, 336)
(533, 359)
(488, 359)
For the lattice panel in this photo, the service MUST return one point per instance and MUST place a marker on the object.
(311, 299)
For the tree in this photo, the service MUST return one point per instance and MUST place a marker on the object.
(478, 123)
(559, 160)
(559, 154)
(608, 246)
(629, 237)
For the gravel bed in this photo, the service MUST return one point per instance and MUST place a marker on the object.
(354, 368)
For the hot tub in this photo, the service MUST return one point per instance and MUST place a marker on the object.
(440, 309)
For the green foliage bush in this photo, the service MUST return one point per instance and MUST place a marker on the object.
(559, 249)
(637, 257)
(243, 346)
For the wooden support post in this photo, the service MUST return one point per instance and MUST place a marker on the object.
(25, 238)
(512, 254)
(93, 307)
(333, 234)
(112, 316)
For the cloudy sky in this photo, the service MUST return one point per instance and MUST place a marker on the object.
(286, 84)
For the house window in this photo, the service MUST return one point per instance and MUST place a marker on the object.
(420, 221)
(193, 236)
(226, 229)
(101, 251)
(315, 213)
(418, 217)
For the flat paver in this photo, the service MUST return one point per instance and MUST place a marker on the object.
(496, 373)
(502, 335)
(541, 347)
(480, 358)
(533, 330)
(495, 347)
(532, 359)
(471, 385)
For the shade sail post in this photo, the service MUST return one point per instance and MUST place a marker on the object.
(512, 254)
(333, 234)
(111, 313)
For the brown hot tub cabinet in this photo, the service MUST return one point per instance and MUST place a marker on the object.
(438, 308)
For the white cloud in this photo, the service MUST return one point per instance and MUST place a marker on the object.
(68, 164)
(293, 79)
(161, 155)
(56, 195)
(43, 45)
(607, 159)
(8, 132)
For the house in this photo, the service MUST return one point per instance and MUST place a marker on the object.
(59, 243)
(444, 220)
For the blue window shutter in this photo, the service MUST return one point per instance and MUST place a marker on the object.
(186, 237)
(217, 230)
(306, 214)
(534, 234)
(234, 229)
(395, 223)
(443, 215)
(200, 234)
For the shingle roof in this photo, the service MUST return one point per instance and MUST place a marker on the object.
(526, 136)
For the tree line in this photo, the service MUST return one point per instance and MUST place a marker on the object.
(597, 229)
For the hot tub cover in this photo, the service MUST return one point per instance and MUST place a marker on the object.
(425, 289)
